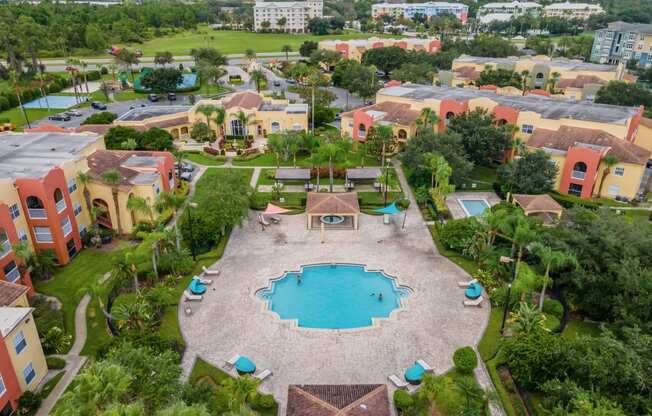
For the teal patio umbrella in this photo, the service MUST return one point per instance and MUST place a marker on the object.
(390, 209)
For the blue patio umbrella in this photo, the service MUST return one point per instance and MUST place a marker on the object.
(197, 287)
(245, 365)
(473, 291)
(390, 209)
(414, 374)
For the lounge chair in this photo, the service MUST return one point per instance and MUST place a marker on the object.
(209, 272)
(230, 363)
(467, 284)
(202, 280)
(263, 374)
(397, 381)
(263, 221)
(189, 296)
(425, 365)
(474, 302)
(275, 220)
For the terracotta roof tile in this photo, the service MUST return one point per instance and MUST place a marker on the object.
(399, 113)
(246, 99)
(542, 202)
(105, 160)
(326, 203)
(566, 137)
(9, 292)
(168, 123)
(467, 72)
(338, 400)
(94, 128)
(580, 81)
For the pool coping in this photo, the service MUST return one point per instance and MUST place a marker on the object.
(468, 214)
(294, 323)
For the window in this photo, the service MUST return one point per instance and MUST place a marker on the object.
(19, 342)
(77, 208)
(613, 190)
(579, 171)
(276, 126)
(43, 234)
(619, 171)
(66, 226)
(575, 189)
(11, 272)
(157, 188)
(22, 235)
(3, 389)
(527, 128)
(72, 185)
(29, 373)
(14, 211)
(82, 229)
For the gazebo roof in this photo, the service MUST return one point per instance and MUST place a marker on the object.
(543, 202)
(292, 174)
(327, 203)
(338, 400)
(362, 173)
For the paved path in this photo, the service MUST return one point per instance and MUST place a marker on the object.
(254, 177)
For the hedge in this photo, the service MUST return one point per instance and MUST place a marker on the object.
(570, 201)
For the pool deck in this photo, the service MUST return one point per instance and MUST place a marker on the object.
(232, 320)
(455, 208)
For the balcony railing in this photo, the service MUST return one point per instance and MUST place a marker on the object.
(43, 236)
(578, 174)
(37, 213)
(5, 248)
(13, 275)
(61, 205)
(66, 228)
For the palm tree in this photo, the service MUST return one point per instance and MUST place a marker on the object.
(258, 77)
(138, 204)
(170, 200)
(552, 260)
(523, 235)
(525, 74)
(207, 110)
(250, 54)
(84, 65)
(276, 145)
(240, 390)
(41, 78)
(113, 178)
(84, 179)
(287, 49)
(220, 117)
(133, 315)
(527, 319)
(609, 162)
(427, 120)
(438, 167)
(554, 78)
(293, 143)
(432, 385)
(282, 22)
(333, 152)
(245, 120)
(13, 79)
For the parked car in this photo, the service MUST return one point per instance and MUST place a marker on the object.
(98, 105)
(277, 83)
(186, 176)
(74, 113)
(152, 97)
(290, 81)
(60, 117)
(172, 96)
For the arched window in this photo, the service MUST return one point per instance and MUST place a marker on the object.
(35, 207)
(449, 117)
(34, 202)
(362, 130)
(276, 126)
(58, 200)
(237, 129)
(579, 170)
(402, 134)
(539, 79)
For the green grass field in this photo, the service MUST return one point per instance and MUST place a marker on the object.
(229, 42)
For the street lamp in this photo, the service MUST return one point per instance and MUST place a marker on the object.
(388, 161)
(191, 206)
(506, 260)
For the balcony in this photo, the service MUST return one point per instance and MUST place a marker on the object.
(37, 213)
(61, 205)
(12, 275)
(5, 248)
(578, 174)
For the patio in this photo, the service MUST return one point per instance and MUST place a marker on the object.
(232, 320)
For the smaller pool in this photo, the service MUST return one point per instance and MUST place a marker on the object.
(332, 219)
(189, 81)
(473, 207)
(56, 101)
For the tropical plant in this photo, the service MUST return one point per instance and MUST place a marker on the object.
(113, 178)
(250, 54)
(240, 390)
(258, 77)
(220, 117)
(136, 315)
(286, 49)
(207, 110)
(551, 260)
(140, 205)
(333, 152)
(609, 162)
(427, 120)
(245, 120)
(275, 144)
(527, 319)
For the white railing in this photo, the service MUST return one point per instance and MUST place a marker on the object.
(13, 275)
(577, 174)
(37, 213)
(66, 228)
(5, 248)
(43, 236)
(61, 205)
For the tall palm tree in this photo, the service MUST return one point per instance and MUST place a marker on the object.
(332, 152)
(220, 118)
(250, 54)
(13, 79)
(525, 75)
(609, 162)
(523, 235)
(84, 179)
(551, 260)
(427, 120)
(258, 77)
(552, 82)
(83, 64)
(287, 49)
(42, 78)
(170, 200)
(138, 204)
(207, 110)
(276, 145)
(113, 179)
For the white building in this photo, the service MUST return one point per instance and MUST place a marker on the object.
(410, 10)
(569, 10)
(296, 14)
(504, 12)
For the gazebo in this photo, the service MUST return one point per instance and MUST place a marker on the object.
(361, 175)
(292, 174)
(539, 206)
(333, 210)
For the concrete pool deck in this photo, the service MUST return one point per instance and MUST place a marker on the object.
(455, 207)
(232, 320)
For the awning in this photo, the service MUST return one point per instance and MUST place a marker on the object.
(274, 210)
(288, 174)
(390, 209)
(362, 174)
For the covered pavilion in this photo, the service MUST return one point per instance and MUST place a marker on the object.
(334, 210)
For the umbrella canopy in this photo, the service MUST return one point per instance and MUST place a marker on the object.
(196, 287)
(245, 365)
(473, 291)
(274, 210)
(390, 209)
(414, 373)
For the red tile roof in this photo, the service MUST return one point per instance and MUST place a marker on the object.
(580, 81)
(467, 72)
(9, 292)
(399, 113)
(326, 203)
(102, 161)
(542, 202)
(246, 99)
(338, 400)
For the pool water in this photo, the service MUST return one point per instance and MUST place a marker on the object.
(56, 101)
(338, 296)
(188, 81)
(474, 207)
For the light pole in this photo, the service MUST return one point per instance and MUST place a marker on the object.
(191, 206)
(506, 260)
(388, 161)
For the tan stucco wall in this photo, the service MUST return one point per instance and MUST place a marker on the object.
(32, 353)
(9, 196)
(643, 137)
(628, 184)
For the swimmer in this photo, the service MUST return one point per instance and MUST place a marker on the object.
(380, 297)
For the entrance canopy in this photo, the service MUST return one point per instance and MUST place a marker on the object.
(362, 174)
(343, 205)
(292, 174)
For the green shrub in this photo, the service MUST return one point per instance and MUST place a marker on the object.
(456, 234)
(55, 363)
(104, 70)
(553, 307)
(4, 103)
(570, 201)
(29, 403)
(265, 401)
(105, 117)
(5, 120)
(465, 359)
(403, 400)
(499, 297)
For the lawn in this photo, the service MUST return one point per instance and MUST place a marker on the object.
(303, 161)
(51, 384)
(69, 285)
(205, 159)
(229, 42)
(491, 339)
(15, 115)
(575, 328)
(482, 176)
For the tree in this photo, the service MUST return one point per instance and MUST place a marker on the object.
(162, 80)
(609, 162)
(200, 131)
(483, 140)
(163, 58)
(250, 54)
(95, 39)
(333, 151)
(622, 93)
(533, 357)
(220, 117)
(155, 139)
(140, 205)
(533, 173)
(209, 56)
(427, 120)
(265, 25)
(104, 117)
(500, 78)
(245, 120)
(13, 77)
(414, 73)
(527, 319)
(182, 409)
(380, 140)
(127, 59)
(276, 145)
(281, 23)
(318, 26)
(208, 110)
(286, 49)
(385, 59)
(551, 260)
(240, 390)
(307, 48)
(113, 178)
(117, 135)
(259, 78)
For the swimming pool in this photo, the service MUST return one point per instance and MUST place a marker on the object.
(188, 81)
(56, 101)
(334, 296)
(473, 207)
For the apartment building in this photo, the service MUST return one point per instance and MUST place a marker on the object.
(572, 79)
(568, 10)
(354, 49)
(296, 15)
(428, 10)
(573, 132)
(621, 42)
(266, 115)
(45, 205)
(504, 12)
(22, 362)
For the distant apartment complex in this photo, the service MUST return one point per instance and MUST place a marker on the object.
(567, 10)
(294, 14)
(410, 10)
(504, 12)
(574, 79)
(577, 135)
(22, 362)
(622, 42)
(354, 49)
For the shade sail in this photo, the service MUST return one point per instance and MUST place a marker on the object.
(289, 174)
(274, 210)
(245, 365)
(390, 209)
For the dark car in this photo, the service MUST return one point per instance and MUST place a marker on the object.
(186, 176)
(277, 83)
(172, 96)
(152, 97)
(290, 81)
(59, 117)
(98, 105)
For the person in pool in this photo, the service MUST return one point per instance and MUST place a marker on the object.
(380, 297)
